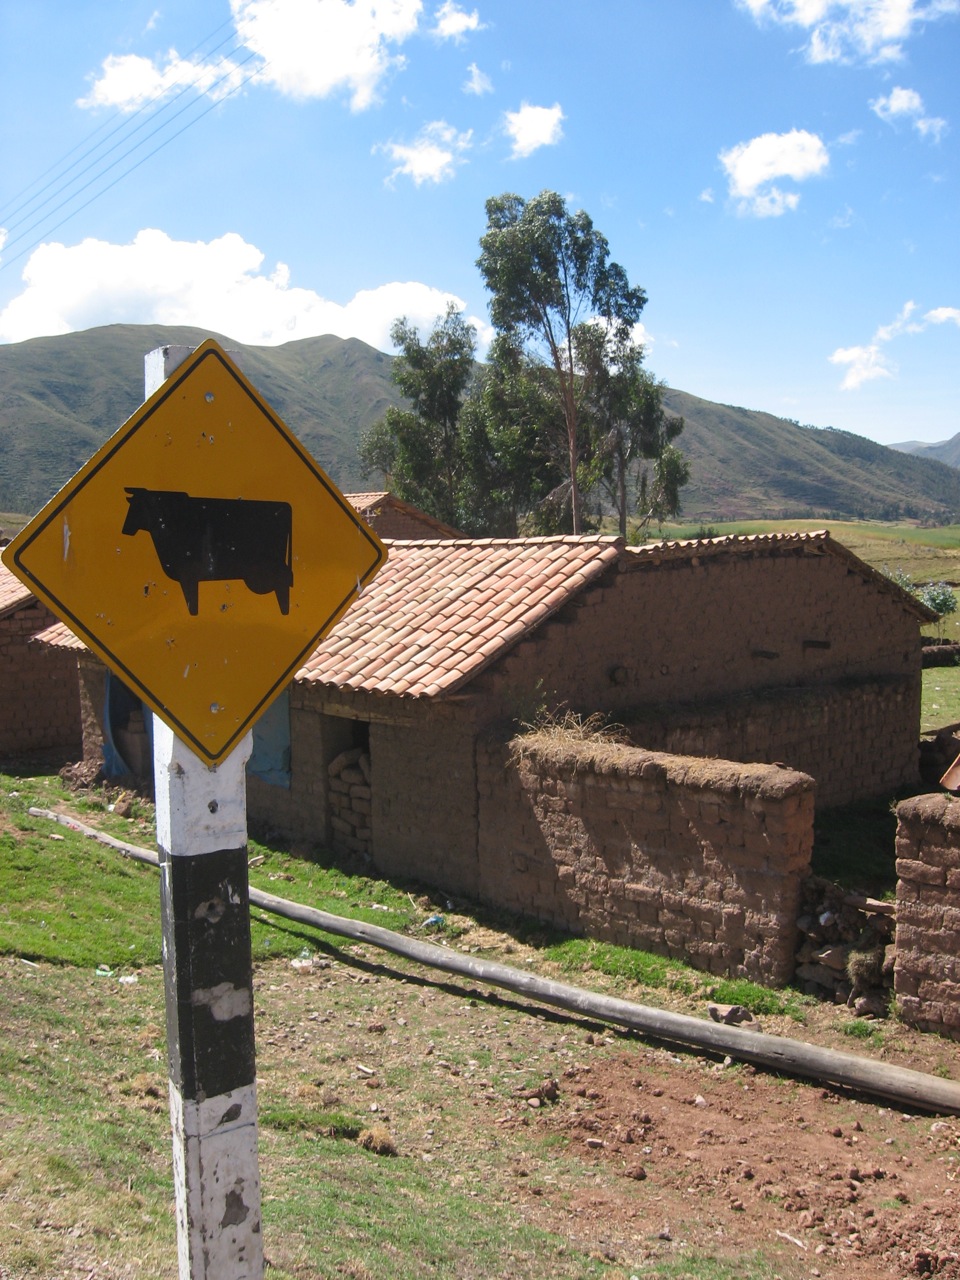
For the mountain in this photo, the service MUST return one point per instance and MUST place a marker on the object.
(947, 451)
(61, 397)
(747, 463)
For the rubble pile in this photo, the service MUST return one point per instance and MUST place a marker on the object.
(845, 949)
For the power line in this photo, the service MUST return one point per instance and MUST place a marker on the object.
(126, 130)
(96, 196)
(103, 171)
(6, 212)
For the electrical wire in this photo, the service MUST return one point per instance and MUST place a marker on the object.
(109, 187)
(127, 117)
(127, 131)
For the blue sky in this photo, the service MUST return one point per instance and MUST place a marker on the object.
(781, 176)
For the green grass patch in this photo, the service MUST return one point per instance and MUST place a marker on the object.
(940, 701)
(330, 1124)
(66, 899)
(706, 1267)
(578, 954)
(865, 1032)
(761, 1000)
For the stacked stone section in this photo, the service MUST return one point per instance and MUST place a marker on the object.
(698, 860)
(350, 795)
(927, 975)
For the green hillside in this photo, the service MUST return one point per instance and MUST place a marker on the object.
(61, 397)
(748, 464)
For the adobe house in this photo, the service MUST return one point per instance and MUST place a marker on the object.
(38, 687)
(779, 648)
(390, 517)
(751, 673)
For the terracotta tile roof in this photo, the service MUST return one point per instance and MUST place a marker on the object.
(58, 636)
(13, 593)
(368, 505)
(364, 501)
(438, 613)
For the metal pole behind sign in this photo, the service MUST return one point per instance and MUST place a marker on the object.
(208, 980)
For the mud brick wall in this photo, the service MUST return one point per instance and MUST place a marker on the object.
(698, 860)
(836, 733)
(39, 693)
(927, 970)
(424, 786)
(389, 522)
(721, 628)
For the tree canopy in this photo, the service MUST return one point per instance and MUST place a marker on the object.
(563, 405)
(419, 450)
(549, 274)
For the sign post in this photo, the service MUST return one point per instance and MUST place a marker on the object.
(202, 555)
(208, 990)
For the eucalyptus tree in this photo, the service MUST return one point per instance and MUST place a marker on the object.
(419, 449)
(633, 459)
(549, 272)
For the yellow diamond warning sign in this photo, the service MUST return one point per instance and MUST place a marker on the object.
(201, 553)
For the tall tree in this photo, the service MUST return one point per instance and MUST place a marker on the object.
(419, 450)
(549, 272)
(509, 470)
(631, 428)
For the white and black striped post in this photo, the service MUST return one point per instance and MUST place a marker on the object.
(208, 980)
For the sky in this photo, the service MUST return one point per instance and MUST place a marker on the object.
(780, 176)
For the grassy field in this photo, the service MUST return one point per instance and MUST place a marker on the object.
(85, 1182)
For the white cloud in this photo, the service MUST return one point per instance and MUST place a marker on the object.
(533, 127)
(453, 23)
(312, 48)
(843, 220)
(478, 82)
(433, 156)
(302, 48)
(752, 168)
(218, 285)
(853, 30)
(906, 104)
(941, 315)
(865, 363)
(128, 81)
(706, 195)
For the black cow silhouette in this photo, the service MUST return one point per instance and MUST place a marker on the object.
(216, 539)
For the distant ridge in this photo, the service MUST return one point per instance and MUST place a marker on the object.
(947, 451)
(61, 397)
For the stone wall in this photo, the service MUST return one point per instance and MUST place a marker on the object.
(38, 690)
(693, 859)
(927, 972)
(349, 775)
(839, 733)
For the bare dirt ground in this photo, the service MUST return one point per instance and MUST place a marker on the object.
(638, 1152)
